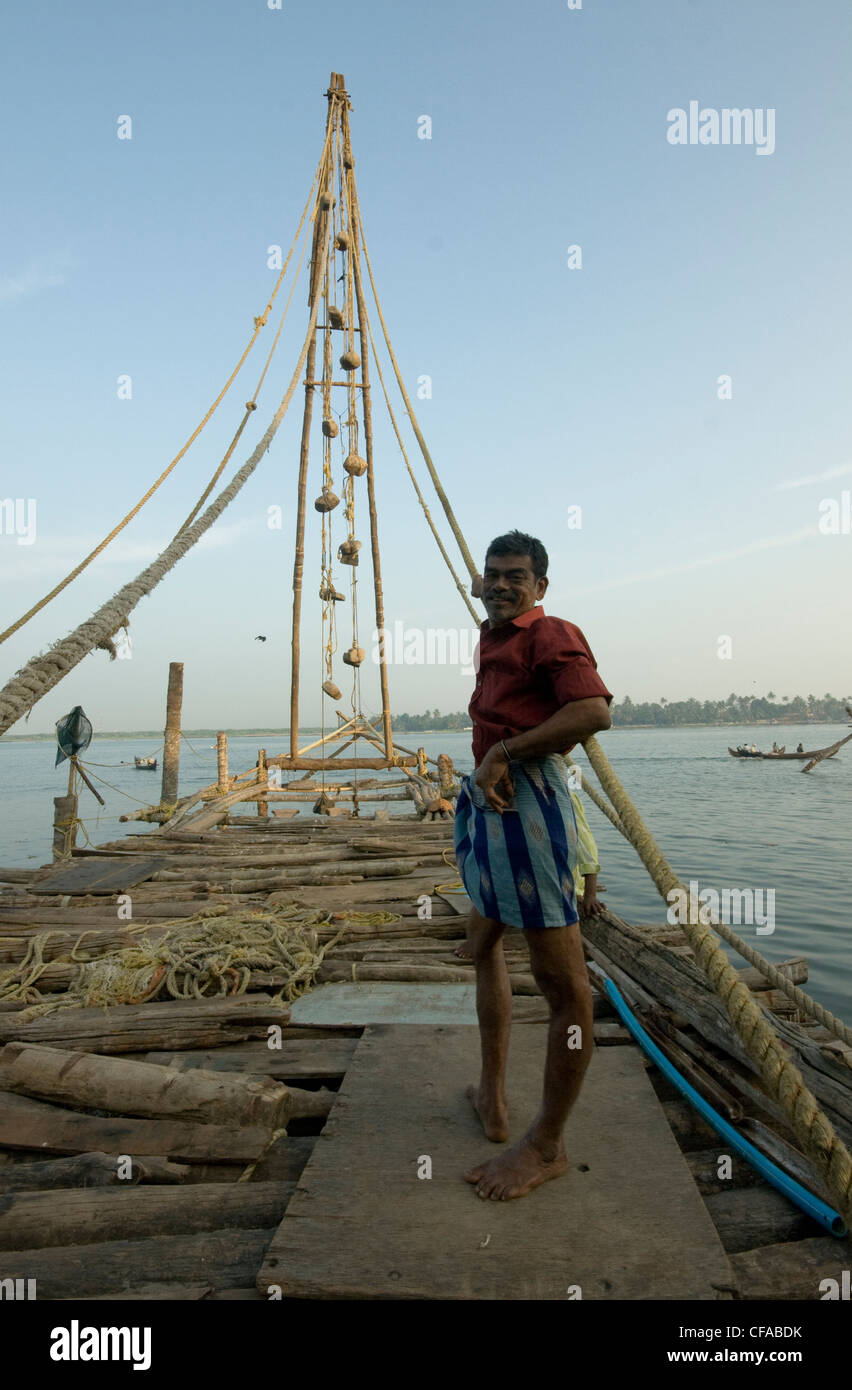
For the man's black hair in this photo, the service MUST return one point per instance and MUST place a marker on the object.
(519, 543)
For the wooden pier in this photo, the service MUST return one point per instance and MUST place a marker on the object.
(293, 1167)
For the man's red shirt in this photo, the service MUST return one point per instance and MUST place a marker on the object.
(527, 669)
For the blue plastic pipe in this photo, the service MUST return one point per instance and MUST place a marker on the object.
(829, 1219)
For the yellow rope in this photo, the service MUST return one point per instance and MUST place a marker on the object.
(457, 883)
(251, 404)
(195, 958)
(598, 800)
(259, 323)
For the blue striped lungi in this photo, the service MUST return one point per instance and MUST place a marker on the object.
(518, 868)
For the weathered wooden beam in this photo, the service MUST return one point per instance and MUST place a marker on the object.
(142, 1027)
(137, 1088)
(33, 1125)
(88, 1170)
(46, 1220)
(229, 1259)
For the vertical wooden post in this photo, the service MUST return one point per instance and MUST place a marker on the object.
(320, 231)
(263, 780)
(222, 761)
(64, 825)
(355, 253)
(171, 745)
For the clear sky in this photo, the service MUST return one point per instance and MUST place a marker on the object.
(594, 387)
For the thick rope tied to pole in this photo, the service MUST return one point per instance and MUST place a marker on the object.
(42, 673)
(803, 1001)
(597, 800)
(259, 322)
(783, 1080)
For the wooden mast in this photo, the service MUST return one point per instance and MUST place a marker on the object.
(368, 435)
(320, 231)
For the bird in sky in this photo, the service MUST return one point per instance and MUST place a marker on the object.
(260, 639)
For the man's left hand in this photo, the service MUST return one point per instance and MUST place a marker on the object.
(492, 778)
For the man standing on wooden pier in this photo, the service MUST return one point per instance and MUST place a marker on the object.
(537, 694)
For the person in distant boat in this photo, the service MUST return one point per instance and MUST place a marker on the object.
(754, 748)
(801, 748)
(537, 694)
(774, 746)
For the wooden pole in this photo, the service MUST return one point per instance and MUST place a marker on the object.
(263, 781)
(171, 746)
(320, 231)
(222, 762)
(64, 825)
(368, 435)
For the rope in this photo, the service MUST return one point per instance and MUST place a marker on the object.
(251, 404)
(783, 1080)
(196, 959)
(42, 673)
(457, 883)
(598, 800)
(258, 324)
(104, 783)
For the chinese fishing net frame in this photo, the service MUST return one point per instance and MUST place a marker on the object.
(782, 1079)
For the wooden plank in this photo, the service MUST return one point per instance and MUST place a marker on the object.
(746, 1217)
(227, 1259)
(140, 1027)
(36, 1220)
(285, 1158)
(624, 1221)
(296, 1059)
(793, 1271)
(99, 875)
(47, 1129)
(136, 1088)
(87, 1170)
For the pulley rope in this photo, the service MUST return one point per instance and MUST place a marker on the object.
(259, 323)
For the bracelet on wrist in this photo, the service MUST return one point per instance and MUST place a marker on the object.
(505, 750)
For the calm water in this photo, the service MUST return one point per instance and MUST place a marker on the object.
(727, 823)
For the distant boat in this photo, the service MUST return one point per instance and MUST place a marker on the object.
(146, 764)
(827, 752)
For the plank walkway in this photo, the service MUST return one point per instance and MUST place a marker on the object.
(625, 1221)
(614, 1232)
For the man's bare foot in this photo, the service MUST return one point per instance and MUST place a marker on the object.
(463, 951)
(516, 1172)
(493, 1113)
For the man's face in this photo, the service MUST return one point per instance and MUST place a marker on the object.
(509, 587)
